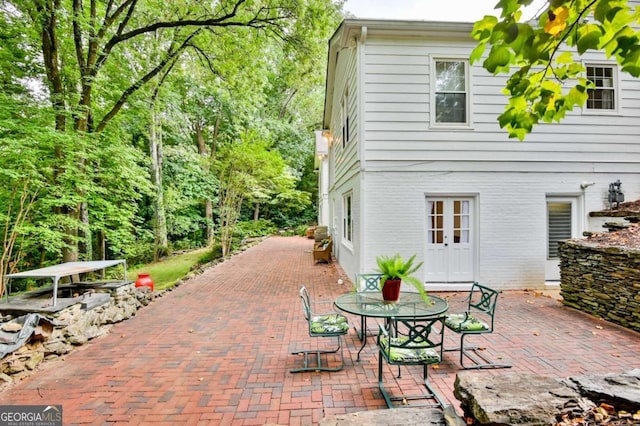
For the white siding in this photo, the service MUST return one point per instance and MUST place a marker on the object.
(397, 117)
(344, 164)
(395, 158)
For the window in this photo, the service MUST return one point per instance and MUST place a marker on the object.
(459, 228)
(344, 116)
(450, 92)
(435, 222)
(559, 217)
(347, 218)
(603, 96)
(461, 222)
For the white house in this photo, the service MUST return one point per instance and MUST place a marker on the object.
(413, 161)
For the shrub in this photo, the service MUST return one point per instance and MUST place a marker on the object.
(215, 252)
(254, 228)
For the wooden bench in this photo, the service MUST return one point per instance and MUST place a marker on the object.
(322, 250)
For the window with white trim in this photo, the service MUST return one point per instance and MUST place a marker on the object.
(344, 116)
(559, 225)
(603, 96)
(450, 98)
(347, 217)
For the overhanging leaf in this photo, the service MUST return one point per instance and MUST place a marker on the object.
(477, 52)
(588, 38)
(577, 96)
(498, 57)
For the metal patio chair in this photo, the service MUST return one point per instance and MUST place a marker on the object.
(329, 324)
(366, 283)
(411, 341)
(478, 318)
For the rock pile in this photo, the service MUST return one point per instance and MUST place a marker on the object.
(56, 334)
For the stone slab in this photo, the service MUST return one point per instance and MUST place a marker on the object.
(388, 417)
(93, 300)
(621, 390)
(512, 398)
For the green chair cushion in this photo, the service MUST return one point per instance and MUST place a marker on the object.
(408, 355)
(462, 322)
(329, 323)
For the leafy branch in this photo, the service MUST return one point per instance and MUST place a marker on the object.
(549, 81)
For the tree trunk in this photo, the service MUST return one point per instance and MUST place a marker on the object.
(161, 242)
(211, 152)
(47, 14)
(85, 243)
(210, 227)
(101, 246)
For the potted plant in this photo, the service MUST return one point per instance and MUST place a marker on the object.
(394, 270)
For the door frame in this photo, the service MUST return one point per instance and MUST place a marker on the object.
(551, 266)
(475, 238)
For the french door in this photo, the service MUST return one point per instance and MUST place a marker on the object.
(450, 240)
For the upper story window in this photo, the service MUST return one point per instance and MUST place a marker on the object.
(603, 97)
(344, 117)
(451, 92)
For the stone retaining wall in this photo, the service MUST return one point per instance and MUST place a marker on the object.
(74, 326)
(602, 281)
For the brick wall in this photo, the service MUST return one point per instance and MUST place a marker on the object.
(602, 281)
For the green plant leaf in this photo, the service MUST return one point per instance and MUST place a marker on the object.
(477, 52)
(499, 57)
(588, 38)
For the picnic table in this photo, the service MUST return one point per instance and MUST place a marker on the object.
(68, 269)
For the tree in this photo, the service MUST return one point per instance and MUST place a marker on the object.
(87, 50)
(548, 81)
(21, 181)
(127, 81)
(248, 170)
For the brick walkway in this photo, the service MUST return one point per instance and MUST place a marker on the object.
(216, 350)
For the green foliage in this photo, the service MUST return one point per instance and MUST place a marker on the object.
(27, 166)
(395, 267)
(140, 251)
(298, 230)
(186, 186)
(214, 252)
(18, 58)
(248, 170)
(255, 228)
(78, 145)
(548, 82)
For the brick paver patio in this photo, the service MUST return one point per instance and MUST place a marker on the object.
(216, 350)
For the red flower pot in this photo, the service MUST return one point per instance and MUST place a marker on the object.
(144, 280)
(391, 290)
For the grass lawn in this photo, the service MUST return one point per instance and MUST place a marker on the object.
(166, 272)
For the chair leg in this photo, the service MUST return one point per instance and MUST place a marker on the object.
(318, 360)
(389, 399)
(432, 392)
(475, 355)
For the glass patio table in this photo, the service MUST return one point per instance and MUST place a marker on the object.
(370, 304)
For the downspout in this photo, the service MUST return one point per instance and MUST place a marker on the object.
(362, 137)
(584, 216)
